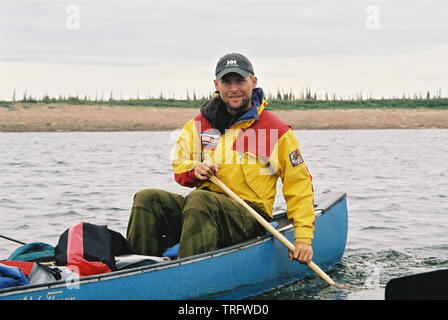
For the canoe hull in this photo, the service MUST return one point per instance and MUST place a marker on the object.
(230, 273)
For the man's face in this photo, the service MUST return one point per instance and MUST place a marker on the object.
(236, 91)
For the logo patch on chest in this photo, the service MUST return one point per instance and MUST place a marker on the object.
(295, 158)
(209, 139)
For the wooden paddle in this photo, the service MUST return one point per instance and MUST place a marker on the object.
(272, 230)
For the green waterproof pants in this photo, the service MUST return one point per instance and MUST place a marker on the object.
(200, 222)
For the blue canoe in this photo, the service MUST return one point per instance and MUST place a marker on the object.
(234, 272)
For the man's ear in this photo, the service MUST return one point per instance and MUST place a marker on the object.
(254, 81)
(216, 84)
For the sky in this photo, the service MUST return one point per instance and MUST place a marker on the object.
(142, 48)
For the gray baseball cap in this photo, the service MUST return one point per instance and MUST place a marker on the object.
(233, 62)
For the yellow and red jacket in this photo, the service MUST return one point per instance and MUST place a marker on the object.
(252, 154)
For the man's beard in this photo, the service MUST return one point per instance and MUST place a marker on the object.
(241, 108)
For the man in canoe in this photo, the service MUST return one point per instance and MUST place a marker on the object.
(248, 148)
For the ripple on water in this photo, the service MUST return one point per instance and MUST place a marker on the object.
(365, 272)
(62, 214)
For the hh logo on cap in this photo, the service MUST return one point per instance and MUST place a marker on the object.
(231, 62)
(295, 158)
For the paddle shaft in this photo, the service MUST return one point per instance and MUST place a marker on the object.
(270, 228)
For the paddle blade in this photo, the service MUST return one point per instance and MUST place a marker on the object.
(424, 286)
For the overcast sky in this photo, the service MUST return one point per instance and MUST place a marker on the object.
(382, 48)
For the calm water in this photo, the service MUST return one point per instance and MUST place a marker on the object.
(396, 182)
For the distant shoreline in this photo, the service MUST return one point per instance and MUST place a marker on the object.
(55, 117)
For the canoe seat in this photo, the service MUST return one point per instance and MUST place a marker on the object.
(173, 251)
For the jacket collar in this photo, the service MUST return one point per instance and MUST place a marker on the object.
(258, 105)
(214, 111)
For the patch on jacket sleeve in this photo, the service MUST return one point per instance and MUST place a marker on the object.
(295, 158)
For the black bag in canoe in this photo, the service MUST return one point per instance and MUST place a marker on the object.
(90, 248)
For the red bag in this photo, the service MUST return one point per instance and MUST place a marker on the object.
(91, 248)
(22, 265)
